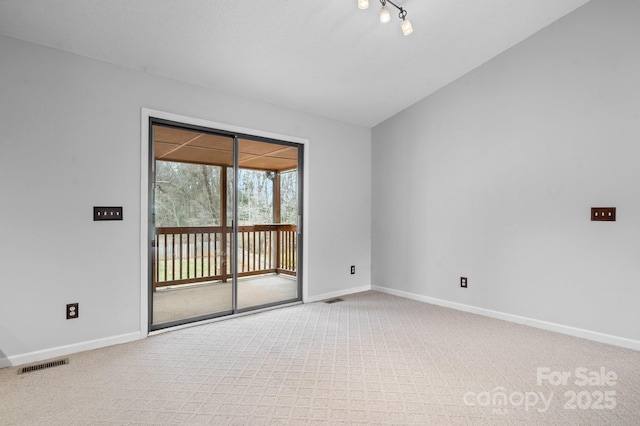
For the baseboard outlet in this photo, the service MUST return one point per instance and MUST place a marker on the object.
(545, 325)
(45, 354)
(339, 293)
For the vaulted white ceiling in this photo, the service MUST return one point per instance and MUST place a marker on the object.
(324, 57)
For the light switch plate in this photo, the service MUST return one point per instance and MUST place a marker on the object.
(107, 213)
(604, 214)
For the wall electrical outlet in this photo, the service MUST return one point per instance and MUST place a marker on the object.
(353, 269)
(463, 282)
(72, 311)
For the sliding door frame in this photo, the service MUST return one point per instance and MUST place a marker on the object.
(148, 119)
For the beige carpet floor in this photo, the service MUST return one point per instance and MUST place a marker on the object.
(370, 359)
(181, 302)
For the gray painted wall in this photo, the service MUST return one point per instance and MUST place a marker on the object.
(493, 178)
(70, 140)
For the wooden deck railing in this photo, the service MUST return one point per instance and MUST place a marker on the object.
(184, 255)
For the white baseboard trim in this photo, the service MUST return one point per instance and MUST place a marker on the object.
(545, 325)
(338, 293)
(42, 355)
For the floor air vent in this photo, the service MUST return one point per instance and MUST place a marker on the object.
(44, 365)
(336, 300)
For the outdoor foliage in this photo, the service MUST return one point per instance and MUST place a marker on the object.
(289, 197)
(189, 195)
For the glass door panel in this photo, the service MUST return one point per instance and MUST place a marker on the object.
(267, 231)
(191, 227)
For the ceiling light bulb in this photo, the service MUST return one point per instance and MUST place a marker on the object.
(363, 4)
(406, 26)
(385, 15)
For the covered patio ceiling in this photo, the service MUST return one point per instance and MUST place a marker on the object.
(188, 146)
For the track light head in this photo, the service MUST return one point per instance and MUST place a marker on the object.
(385, 15)
(406, 26)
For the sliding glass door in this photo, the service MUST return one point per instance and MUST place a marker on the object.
(267, 209)
(224, 223)
(191, 268)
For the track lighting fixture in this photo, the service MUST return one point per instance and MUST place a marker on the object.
(385, 15)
